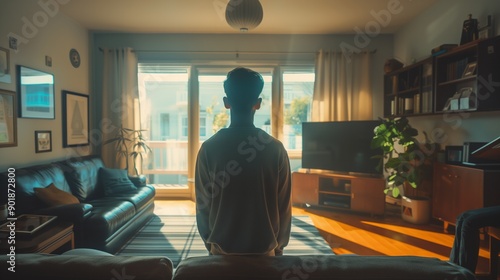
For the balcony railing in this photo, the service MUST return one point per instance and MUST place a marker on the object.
(171, 156)
(168, 157)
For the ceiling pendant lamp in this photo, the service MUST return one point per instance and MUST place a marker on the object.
(244, 15)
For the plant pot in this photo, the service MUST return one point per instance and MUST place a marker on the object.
(416, 209)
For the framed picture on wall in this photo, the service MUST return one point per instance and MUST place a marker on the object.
(8, 119)
(4, 66)
(43, 141)
(75, 119)
(36, 93)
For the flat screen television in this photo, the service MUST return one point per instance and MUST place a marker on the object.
(342, 146)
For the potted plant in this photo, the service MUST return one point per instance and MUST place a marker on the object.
(407, 164)
(130, 143)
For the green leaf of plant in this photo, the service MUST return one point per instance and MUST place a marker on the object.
(393, 163)
(395, 192)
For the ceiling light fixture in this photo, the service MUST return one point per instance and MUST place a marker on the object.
(244, 15)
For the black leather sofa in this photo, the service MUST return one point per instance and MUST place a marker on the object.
(95, 266)
(104, 222)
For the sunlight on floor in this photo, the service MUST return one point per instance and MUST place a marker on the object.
(425, 235)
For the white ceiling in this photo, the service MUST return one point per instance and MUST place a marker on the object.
(207, 16)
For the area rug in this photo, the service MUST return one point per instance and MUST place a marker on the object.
(177, 238)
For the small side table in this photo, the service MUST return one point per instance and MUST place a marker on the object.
(47, 240)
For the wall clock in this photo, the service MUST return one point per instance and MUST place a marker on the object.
(74, 58)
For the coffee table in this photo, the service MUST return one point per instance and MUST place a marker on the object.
(47, 240)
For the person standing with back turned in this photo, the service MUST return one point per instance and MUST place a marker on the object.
(243, 179)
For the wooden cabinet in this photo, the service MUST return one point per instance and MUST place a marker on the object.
(460, 188)
(337, 191)
(367, 195)
(305, 188)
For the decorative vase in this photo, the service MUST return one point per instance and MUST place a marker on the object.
(415, 209)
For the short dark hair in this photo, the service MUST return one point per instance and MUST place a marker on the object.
(243, 87)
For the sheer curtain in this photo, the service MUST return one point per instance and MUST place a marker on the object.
(342, 87)
(119, 101)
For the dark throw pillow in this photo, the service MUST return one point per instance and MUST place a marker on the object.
(115, 181)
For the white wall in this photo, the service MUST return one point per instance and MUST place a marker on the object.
(442, 24)
(43, 30)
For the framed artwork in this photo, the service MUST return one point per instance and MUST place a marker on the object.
(453, 154)
(36, 93)
(8, 119)
(75, 120)
(485, 27)
(43, 141)
(470, 69)
(4, 66)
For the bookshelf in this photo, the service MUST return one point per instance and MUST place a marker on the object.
(464, 78)
(468, 77)
(409, 90)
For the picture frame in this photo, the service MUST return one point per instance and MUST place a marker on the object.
(485, 27)
(75, 120)
(470, 69)
(484, 33)
(5, 66)
(453, 154)
(43, 141)
(8, 119)
(36, 93)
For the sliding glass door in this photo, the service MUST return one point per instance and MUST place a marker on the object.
(182, 106)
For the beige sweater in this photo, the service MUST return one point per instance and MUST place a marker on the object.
(243, 192)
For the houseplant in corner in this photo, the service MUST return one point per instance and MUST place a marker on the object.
(130, 143)
(407, 164)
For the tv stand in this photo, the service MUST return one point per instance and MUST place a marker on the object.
(339, 191)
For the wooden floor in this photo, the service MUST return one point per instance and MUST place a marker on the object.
(361, 234)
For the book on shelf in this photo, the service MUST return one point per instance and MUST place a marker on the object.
(401, 105)
(455, 69)
(426, 102)
(408, 105)
(394, 84)
(416, 103)
(442, 49)
(427, 74)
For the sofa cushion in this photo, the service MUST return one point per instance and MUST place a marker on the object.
(107, 217)
(319, 267)
(140, 197)
(52, 196)
(81, 174)
(86, 252)
(115, 181)
(86, 267)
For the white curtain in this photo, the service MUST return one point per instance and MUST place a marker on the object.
(342, 87)
(119, 101)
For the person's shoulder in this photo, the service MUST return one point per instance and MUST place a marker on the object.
(266, 138)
